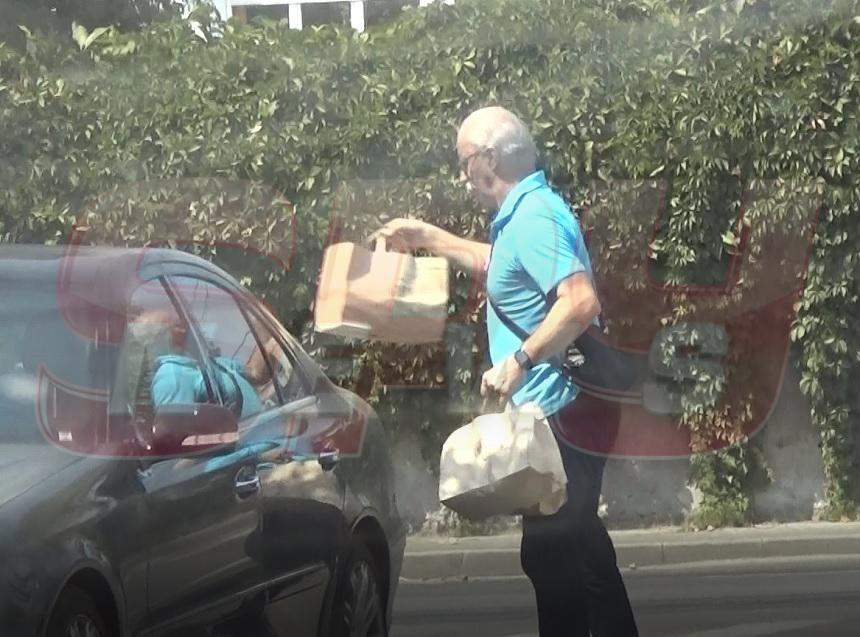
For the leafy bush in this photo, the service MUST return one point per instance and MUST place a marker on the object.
(58, 15)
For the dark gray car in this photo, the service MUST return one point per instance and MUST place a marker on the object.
(172, 462)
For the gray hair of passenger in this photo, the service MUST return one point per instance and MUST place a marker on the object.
(504, 132)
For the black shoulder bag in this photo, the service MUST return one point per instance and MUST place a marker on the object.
(592, 365)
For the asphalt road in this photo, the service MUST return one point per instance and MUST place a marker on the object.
(796, 597)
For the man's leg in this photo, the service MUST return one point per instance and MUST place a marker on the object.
(548, 558)
(571, 562)
(609, 611)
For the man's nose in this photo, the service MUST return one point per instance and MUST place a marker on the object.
(465, 181)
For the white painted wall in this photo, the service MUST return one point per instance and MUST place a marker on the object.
(356, 9)
(223, 7)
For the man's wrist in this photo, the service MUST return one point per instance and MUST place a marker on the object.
(523, 359)
(531, 352)
(432, 237)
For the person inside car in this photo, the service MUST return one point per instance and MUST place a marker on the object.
(178, 378)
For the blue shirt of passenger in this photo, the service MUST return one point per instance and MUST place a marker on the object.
(179, 380)
(536, 243)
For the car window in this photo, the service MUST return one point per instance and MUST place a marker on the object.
(240, 370)
(160, 363)
(287, 374)
(315, 379)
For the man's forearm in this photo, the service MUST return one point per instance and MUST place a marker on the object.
(471, 256)
(257, 369)
(567, 319)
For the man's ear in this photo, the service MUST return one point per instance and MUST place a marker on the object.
(493, 160)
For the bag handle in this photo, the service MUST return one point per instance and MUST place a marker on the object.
(515, 411)
(380, 244)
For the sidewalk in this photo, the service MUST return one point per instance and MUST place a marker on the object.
(499, 556)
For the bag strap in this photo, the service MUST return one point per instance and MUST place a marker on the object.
(548, 299)
(507, 321)
(504, 318)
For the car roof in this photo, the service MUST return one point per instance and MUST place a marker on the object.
(29, 261)
(92, 286)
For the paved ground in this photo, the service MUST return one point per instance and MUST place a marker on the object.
(740, 598)
(435, 557)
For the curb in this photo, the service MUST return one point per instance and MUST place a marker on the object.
(434, 560)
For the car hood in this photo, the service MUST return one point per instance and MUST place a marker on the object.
(23, 466)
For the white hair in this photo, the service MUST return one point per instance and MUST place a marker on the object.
(498, 128)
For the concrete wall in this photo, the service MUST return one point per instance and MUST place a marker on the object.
(642, 493)
(416, 486)
(790, 445)
(646, 492)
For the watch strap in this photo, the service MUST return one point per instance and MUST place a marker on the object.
(523, 360)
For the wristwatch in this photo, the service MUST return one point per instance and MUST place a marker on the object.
(523, 360)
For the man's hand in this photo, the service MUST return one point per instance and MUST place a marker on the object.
(257, 370)
(502, 380)
(405, 235)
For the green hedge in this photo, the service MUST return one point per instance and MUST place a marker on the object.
(260, 136)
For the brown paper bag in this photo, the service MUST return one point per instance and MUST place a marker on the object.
(386, 296)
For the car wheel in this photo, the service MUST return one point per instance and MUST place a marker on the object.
(76, 615)
(359, 610)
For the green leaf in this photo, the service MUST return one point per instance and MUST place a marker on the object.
(84, 39)
(79, 34)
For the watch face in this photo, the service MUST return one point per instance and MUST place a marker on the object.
(523, 359)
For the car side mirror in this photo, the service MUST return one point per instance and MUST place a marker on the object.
(192, 429)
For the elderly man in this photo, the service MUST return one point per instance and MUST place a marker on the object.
(539, 284)
(176, 373)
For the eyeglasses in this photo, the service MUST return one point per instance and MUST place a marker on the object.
(463, 164)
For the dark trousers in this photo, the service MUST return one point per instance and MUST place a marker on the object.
(570, 559)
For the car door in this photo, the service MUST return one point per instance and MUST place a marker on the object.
(203, 511)
(304, 528)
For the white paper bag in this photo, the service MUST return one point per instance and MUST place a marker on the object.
(507, 463)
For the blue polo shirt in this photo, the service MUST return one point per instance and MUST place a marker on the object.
(537, 243)
(178, 379)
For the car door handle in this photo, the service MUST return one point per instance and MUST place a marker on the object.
(247, 484)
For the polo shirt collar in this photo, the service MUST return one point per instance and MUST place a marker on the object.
(529, 183)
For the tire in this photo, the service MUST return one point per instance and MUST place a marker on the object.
(358, 609)
(77, 615)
